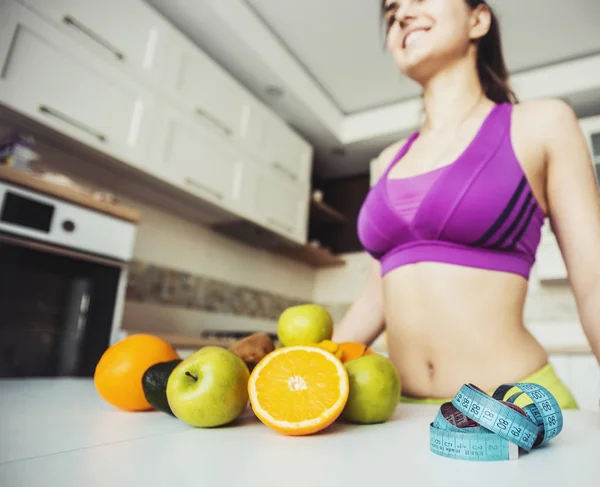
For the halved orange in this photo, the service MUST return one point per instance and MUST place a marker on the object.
(298, 390)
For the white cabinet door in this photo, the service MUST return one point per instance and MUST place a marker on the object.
(204, 89)
(286, 153)
(191, 157)
(43, 79)
(282, 206)
(127, 32)
(254, 128)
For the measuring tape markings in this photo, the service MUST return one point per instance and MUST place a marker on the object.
(545, 408)
(475, 426)
(454, 435)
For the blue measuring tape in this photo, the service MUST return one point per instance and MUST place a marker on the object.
(479, 427)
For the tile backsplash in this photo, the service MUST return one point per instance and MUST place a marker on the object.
(149, 283)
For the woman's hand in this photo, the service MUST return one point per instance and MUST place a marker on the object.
(574, 210)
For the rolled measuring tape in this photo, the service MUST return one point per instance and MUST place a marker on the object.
(479, 427)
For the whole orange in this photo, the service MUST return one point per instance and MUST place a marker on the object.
(352, 350)
(118, 374)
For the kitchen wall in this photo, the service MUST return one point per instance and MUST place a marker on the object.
(186, 278)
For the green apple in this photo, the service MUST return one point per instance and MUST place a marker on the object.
(305, 324)
(209, 388)
(374, 390)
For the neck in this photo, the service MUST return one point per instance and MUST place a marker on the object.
(451, 94)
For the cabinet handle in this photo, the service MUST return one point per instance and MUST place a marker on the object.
(277, 223)
(215, 121)
(280, 167)
(204, 188)
(73, 22)
(65, 118)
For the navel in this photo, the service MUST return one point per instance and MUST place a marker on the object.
(430, 368)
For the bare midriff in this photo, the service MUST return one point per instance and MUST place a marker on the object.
(449, 325)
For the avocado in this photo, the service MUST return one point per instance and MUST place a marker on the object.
(154, 384)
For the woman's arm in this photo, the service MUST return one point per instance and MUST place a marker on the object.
(574, 210)
(364, 320)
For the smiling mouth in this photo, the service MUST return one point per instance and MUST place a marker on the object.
(413, 36)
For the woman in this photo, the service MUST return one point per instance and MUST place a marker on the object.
(454, 220)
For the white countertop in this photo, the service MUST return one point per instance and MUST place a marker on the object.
(59, 433)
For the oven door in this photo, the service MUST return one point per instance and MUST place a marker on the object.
(57, 308)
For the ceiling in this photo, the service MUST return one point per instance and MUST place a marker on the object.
(341, 89)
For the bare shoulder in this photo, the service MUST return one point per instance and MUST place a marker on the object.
(383, 160)
(547, 127)
(545, 117)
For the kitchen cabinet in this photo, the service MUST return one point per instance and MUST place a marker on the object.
(47, 79)
(186, 155)
(280, 205)
(218, 102)
(205, 90)
(116, 77)
(126, 33)
(286, 153)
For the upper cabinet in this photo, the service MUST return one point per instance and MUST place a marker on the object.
(204, 89)
(46, 79)
(115, 76)
(285, 152)
(189, 156)
(127, 33)
(221, 104)
(282, 205)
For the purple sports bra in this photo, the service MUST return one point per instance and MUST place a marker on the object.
(478, 211)
(406, 193)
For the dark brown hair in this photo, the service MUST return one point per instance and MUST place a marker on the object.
(491, 66)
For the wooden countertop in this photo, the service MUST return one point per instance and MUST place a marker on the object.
(32, 182)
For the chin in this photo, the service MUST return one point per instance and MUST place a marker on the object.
(417, 66)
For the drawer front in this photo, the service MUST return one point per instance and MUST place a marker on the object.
(282, 206)
(127, 32)
(253, 129)
(203, 89)
(189, 156)
(286, 153)
(43, 81)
